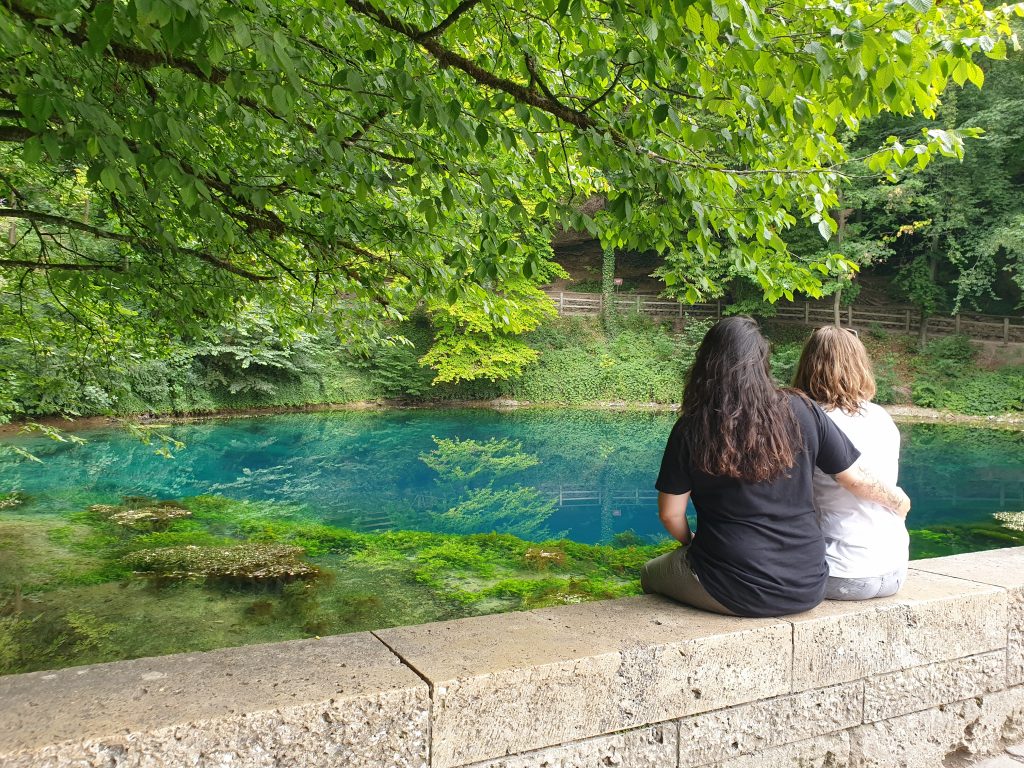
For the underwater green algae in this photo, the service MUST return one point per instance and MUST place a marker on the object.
(116, 581)
(151, 578)
(942, 540)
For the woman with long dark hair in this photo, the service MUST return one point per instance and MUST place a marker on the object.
(746, 450)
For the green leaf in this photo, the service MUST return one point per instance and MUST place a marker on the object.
(853, 38)
(661, 113)
(650, 29)
(903, 36)
(482, 136)
(110, 178)
(282, 102)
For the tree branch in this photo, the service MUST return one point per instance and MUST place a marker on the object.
(449, 58)
(128, 54)
(460, 9)
(14, 133)
(143, 243)
(17, 263)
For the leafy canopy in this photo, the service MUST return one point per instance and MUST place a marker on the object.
(163, 162)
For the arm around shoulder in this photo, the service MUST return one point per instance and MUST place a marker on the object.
(863, 484)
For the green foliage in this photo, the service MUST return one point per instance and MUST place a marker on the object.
(168, 164)
(947, 378)
(250, 355)
(784, 361)
(887, 380)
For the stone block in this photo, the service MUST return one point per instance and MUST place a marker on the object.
(1001, 721)
(339, 701)
(951, 734)
(518, 682)
(651, 747)
(828, 751)
(933, 618)
(911, 690)
(763, 725)
(924, 739)
(1001, 568)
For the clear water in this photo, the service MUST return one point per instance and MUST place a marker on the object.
(539, 474)
(69, 593)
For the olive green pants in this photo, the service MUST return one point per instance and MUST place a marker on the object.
(671, 575)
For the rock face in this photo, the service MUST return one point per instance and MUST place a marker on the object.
(928, 678)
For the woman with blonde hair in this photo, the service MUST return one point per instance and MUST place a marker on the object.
(866, 545)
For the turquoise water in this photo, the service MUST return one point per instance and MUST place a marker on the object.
(584, 475)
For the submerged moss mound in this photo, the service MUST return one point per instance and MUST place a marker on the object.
(243, 562)
(12, 500)
(148, 514)
(1012, 520)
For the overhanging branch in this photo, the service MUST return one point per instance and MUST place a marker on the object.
(141, 243)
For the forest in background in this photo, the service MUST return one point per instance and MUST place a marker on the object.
(930, 195)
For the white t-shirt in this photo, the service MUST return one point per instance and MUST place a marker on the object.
(862, 538)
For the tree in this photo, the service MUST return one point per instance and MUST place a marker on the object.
(952, 230)
(355, 160)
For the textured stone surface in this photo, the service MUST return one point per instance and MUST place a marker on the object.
(341, 701)
(1002, 568)
(933, 618)
(999, 761)
(751, 728)
(911, 690)
(653, 747)
(1001, 721)
(518, 682)
(829, 751)
(952, 735)
(928, 739)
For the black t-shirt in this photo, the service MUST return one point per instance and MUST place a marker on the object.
(758, 549)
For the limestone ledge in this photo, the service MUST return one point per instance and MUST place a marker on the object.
(932, 676)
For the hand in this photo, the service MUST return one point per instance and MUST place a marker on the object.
(904, 503)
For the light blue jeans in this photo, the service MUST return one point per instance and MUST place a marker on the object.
(838, 588)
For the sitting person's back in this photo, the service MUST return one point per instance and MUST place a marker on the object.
(866, 544)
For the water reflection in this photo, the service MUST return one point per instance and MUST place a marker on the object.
(585, 474)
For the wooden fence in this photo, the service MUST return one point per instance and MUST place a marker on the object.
(894, 319)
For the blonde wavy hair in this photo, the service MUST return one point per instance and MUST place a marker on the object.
(835, 370)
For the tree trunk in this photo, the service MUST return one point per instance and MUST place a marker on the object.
(608, 286)
(837, 297)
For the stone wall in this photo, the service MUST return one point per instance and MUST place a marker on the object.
(931, 677)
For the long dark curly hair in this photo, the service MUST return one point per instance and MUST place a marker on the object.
(739, 423)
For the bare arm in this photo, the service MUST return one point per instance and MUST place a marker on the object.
(672, 511)
(863, 484)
